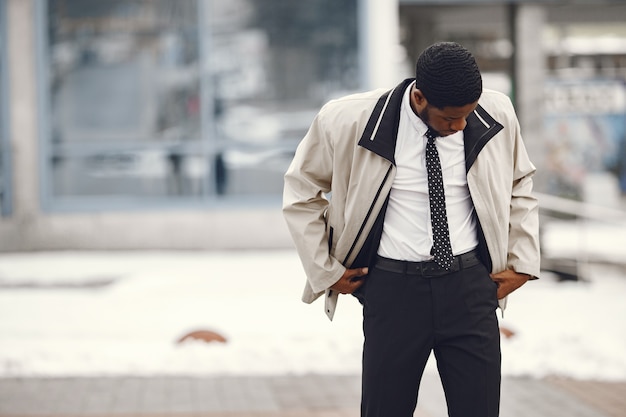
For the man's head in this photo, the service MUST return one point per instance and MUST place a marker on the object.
(448, 76)
(448, 85)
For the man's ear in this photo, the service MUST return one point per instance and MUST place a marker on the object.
(419, 97)
(418, 100)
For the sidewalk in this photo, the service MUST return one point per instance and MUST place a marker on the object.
(281, 396)
(104, 313)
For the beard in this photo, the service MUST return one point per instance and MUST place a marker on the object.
(425, 116)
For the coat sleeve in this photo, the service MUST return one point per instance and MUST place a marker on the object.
(307, 182)
(523, 250)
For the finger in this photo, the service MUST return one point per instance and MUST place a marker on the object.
(354, 285)
(498, 275)
(501, 294)
(359, 272)
(355, 273)
(504, 290)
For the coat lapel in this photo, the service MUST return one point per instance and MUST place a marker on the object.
(381, 130)
(481, 127)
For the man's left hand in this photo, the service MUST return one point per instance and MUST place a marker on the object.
(508, 281)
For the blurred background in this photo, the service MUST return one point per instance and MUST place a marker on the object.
(169, 124)
(142, 142)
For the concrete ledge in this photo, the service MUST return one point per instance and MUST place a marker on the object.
(193, 229)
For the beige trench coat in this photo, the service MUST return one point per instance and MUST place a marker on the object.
(339, 180)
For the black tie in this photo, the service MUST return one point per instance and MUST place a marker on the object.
(442, 250)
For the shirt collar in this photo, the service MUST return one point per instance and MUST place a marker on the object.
(416, 123)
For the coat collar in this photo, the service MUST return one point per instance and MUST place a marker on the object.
(481, 127)
(381, 131)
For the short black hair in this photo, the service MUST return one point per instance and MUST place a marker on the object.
(447, 75)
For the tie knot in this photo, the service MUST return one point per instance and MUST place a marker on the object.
(431, 134)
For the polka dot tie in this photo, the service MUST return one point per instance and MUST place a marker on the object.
(442, 250)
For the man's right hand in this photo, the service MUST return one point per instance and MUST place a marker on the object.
(350, 280)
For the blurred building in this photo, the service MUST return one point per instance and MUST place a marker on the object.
(169, 124)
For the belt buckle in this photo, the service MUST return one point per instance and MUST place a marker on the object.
(430, 269)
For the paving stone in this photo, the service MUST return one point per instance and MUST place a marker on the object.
(525, 396)
(126, 395)
(610, 397)
(205, 395)
(280, 396)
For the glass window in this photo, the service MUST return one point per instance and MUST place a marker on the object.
(194, 100)
(275, 62)
(5, 156)
(124, 98)
(585, 109)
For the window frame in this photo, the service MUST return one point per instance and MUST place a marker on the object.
(6, 206)
(52, 203)
(209, 143)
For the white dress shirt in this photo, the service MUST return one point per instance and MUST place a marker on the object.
(407, 231)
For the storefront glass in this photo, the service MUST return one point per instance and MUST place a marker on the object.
(187, 100)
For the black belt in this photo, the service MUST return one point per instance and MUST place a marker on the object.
(428, 268)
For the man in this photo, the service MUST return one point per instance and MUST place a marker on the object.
(361, 202)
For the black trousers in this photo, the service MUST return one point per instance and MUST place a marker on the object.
(406, 316)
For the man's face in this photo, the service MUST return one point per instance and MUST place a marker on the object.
(445, 121)
(448, 120)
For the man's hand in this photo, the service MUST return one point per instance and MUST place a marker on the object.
(508, 281)
(350, 281)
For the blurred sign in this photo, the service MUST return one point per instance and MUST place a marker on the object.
(596, 97)
(585, 127)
